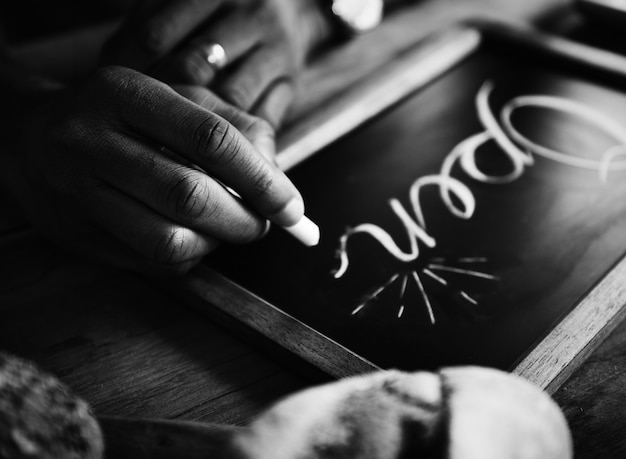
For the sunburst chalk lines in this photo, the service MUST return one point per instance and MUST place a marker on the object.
(421, 289)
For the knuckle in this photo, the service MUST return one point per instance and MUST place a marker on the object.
(172, 247)
(215, 137)
(188, 197)
(261, 128)
(262, 183)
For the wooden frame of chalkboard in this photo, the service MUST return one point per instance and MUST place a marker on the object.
(571, 334)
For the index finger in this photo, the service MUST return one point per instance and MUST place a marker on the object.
(211, 142)
(257, 130)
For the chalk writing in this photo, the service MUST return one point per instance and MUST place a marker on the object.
(458, 198)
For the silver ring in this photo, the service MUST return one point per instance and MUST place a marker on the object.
(215, 56)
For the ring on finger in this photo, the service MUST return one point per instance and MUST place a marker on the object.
(215, 56)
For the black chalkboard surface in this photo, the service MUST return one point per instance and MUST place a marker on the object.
(463, 224)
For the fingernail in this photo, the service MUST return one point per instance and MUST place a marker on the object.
(266, 230)
(290, 214)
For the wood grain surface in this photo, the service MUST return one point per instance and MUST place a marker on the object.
(132, 349)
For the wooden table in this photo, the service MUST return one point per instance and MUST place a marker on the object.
(132, 349)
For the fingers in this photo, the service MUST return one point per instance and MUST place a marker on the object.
(98, 163)
(256, 129)
(244, 86)
(188, 66)
(182, 194)
(151, 32)
(270, 105)
(211, 142)
(259, 54)
(273, 105)
(92, 242)
(92, 228)
(154, 237)
(234, 32)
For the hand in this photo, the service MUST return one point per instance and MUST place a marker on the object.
(266, 43)
(116, 169)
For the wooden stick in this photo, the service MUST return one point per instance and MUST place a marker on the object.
(127, 438)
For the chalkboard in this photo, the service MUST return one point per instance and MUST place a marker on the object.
(464, 224)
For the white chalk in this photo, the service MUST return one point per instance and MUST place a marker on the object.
(305, 231)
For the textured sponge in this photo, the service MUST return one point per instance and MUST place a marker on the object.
(458, 413)
(40, 418)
